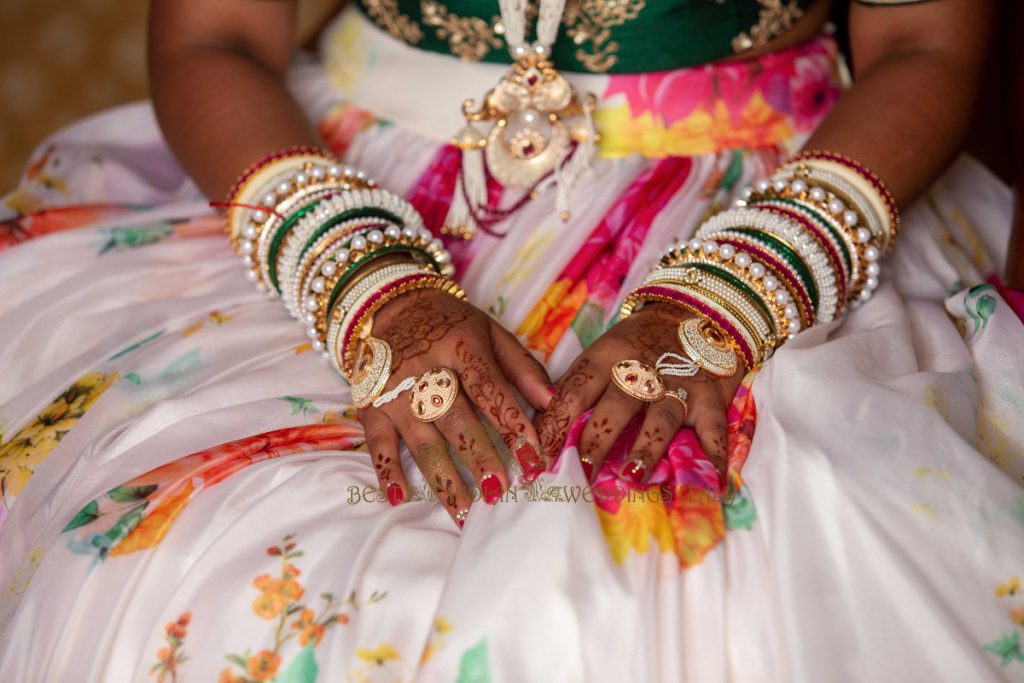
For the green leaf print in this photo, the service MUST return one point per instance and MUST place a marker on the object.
(473, 667)
(986, 307)
(300, 405)
(303, 668)
(127, 494)
(122, 527)
(120, 239)
(134, 378)
(588, 323)
(136, 345)
(1008, 648)
(86, 515)
(739, 512)
(735, 170)
(185, 363)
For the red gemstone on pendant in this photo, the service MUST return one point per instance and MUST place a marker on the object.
(631, 377)
(529, 149)
(532, 79)
(436, 400)
(423, 385)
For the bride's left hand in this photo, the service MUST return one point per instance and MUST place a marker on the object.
(644, 336)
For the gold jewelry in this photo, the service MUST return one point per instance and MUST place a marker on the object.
(638, 379)
(679, 395)
(434, 394)
(707, 347)
(371, 371)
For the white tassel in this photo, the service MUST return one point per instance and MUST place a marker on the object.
(568, 174)
(460, 219)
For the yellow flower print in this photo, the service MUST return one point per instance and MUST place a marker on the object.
(697, 525)
(634, 525)
(1017, 615)
(27, 449)
(1010, 588)
(379, 655)
(442, 625)
(263, 665)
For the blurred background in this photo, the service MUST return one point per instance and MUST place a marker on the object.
(61, 60)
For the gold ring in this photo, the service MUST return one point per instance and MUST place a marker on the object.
(371, 371)
(708, 347)
(638, 379)
(679, 395)
(434, 394)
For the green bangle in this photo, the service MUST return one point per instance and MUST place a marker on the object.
(275, 244)
(791, 257)
(738, 284)
(336, 290)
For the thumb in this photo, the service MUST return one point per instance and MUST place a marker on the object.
(524, 371)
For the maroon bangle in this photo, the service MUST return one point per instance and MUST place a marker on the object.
(347, 334)
(255, 167)
(861, 170)
(782, 271)
(825, 242)
(685, 300)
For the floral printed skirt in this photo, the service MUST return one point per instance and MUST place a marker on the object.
(185, 496)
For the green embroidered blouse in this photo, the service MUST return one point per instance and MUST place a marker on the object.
(599, 36)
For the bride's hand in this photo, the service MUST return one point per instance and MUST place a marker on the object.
(427, 329)
(644, 336)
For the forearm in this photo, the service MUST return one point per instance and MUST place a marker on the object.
(220, 110)
(905, 119)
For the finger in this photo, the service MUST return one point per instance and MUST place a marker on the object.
(611, 415)
(382, 443)
(430, 453)
(578, 390)
(527, 373)
(463, 430)
(663, 420)
(485, 385)
(707, 415)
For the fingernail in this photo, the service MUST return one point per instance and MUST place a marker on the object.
(635, 471)
(395, 493)
(588, 467)
(460, 517)
(490, 489)
(529, 459)
(552, 389)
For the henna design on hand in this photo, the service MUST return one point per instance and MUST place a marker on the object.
(555, 423)
(501, 410)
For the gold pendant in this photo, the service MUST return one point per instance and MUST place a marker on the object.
(639, 380)
(707, 347)
(535, 116)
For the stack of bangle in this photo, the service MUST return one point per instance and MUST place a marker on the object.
(791, 254)
(331, 244)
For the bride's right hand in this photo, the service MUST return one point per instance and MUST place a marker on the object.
(427, 329)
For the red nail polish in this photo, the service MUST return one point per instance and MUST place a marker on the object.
(490, 489)
(395, 493)
(460, 517)
(552, 389)
(588, 467)
(530, 460)
(635, 471)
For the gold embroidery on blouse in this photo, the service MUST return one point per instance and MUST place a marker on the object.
(590, 21)
(775, 18)
(385, 13)
(469, 38)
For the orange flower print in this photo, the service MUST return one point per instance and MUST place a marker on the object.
(269, 605)
(169, 658)
(263, 665)
(279, 602)
(228, 676)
